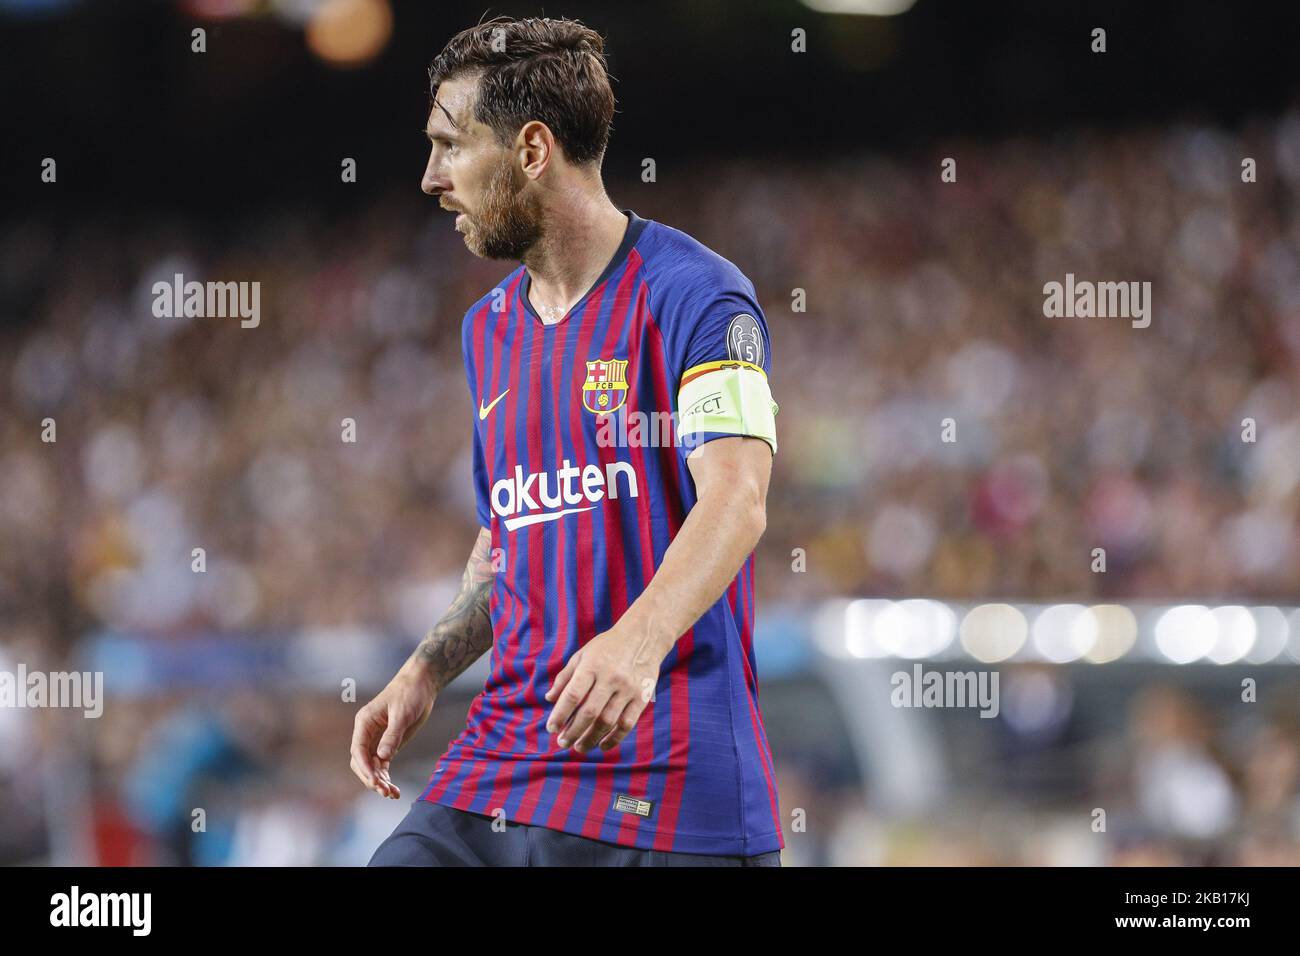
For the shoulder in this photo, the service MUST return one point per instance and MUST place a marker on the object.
(694, 293)
(680, 269)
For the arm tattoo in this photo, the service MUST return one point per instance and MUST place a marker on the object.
(465, 631)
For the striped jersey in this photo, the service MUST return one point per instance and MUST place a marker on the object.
(582, 430)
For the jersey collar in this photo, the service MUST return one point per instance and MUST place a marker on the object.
(635, 226)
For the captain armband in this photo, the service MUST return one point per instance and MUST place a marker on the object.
(725, 398)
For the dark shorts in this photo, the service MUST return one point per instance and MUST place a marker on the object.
(434, 835)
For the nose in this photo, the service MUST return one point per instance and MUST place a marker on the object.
(433, 186)
(434, 182)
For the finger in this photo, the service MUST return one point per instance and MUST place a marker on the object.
(625, 724)
(362, 733)
(391, 790)
(568, 702)
(392, 740)
(562, 678)
(602, 725)
(386, 786)
(365, 779)
(585, 715)
(378, 786)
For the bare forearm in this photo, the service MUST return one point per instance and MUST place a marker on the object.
(602, 690)
(702, 560)
(465, 632)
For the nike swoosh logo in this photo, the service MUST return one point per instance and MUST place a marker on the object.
(512, 523)
(484, 412)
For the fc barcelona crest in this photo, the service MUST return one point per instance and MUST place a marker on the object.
(605, 389)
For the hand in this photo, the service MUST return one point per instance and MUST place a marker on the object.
(603, 688)
(384, 724)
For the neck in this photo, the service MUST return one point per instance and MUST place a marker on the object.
(583, 231)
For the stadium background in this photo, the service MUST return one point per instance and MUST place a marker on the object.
(816, 171)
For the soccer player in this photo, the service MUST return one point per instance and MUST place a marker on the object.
(623, 438)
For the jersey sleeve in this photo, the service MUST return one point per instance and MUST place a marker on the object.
(480, 480)
(479, 469)
(724, 366)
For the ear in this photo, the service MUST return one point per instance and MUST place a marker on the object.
(536, 148)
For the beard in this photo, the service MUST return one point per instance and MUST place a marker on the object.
(508, 225)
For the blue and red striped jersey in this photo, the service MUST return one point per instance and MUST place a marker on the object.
(580, 474)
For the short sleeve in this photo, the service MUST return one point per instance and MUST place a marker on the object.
(481, 482)
(480, 469)
(724, 367)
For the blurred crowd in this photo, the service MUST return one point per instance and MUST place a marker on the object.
(896, 302)
(1074, 773)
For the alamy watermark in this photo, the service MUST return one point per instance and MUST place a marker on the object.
(922, 688)
(208, 300)
(75, 690)
(655, 429)
(133, 911)
(1102, 300)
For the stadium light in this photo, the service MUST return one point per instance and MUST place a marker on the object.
(865, 8)
(1186, 633)
(1236, 634)
(1064, 632)
(1117, 631)
(1270, 635)
(350, 33)
(914, 628)
(994, 632)
(858, 632)
(922, 628)
(860, 628)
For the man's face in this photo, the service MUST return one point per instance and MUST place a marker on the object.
(472, 174)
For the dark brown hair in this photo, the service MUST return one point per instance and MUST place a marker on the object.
(535, 69)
